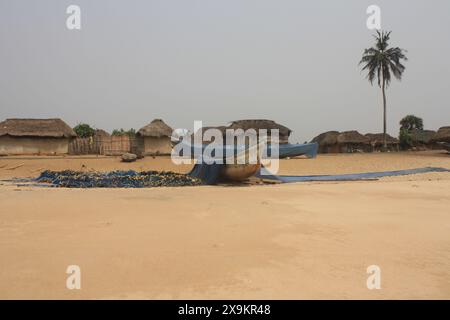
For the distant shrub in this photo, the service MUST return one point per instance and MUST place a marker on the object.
(83, 130)
(121, 132)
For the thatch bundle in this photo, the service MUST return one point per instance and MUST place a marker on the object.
(156, 129)
(48, 128)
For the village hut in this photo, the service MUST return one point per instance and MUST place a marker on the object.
(441, 140)
(35, 136)
(377, 142)
(353, 141)
(155, 138)
(259, 124)
(442, 135)
(327, 142)
(422, 138)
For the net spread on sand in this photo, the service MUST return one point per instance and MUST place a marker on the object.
(116, 179)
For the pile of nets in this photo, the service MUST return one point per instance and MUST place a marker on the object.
(116, 179)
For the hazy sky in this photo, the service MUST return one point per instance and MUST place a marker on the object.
(220, 60)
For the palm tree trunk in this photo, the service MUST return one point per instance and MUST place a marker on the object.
(383, 91)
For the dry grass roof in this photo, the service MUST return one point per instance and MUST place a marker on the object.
(335, 137)
(326, 138)
(51, 128)
(157, 129)
(422, 136)
(101, 133)
(377, 139)
(352, 137)
(259, 124)
(442, 135)
(222, 129)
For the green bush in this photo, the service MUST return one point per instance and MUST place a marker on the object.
(121, 132)
(405, 139)
(411, 122)
(83, 130)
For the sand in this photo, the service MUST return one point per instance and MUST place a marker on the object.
(304, 240)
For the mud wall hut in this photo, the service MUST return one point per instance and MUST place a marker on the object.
(35, 136)
(154, 138)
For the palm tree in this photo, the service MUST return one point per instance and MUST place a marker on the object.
(380, 61)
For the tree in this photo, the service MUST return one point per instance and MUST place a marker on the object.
(411, 122)
(83, 130)
(380, 62)
(407, 125)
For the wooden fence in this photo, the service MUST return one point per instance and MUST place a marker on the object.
(111, 146)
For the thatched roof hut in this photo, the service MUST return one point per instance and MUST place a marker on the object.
(326, 141)
(258, 124)
(155, 138)
(35, 136)
(156, 129)
(50, 128)
(347, 141)
(442, 135)
(353, 137)
(422, 137)
(377, 139)
(326, 138)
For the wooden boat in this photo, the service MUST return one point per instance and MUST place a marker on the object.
(239, 172)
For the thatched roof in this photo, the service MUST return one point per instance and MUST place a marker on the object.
(222, 129)
(351, 137)
(327, 138)
(422, 136)
(101, 133)
(260, 124)
(378, 139)
(442, 135)
(157, 129)
(52, 128)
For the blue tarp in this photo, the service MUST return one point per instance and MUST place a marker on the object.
(348, 177)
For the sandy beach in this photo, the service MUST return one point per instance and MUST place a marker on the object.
(291, 241)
